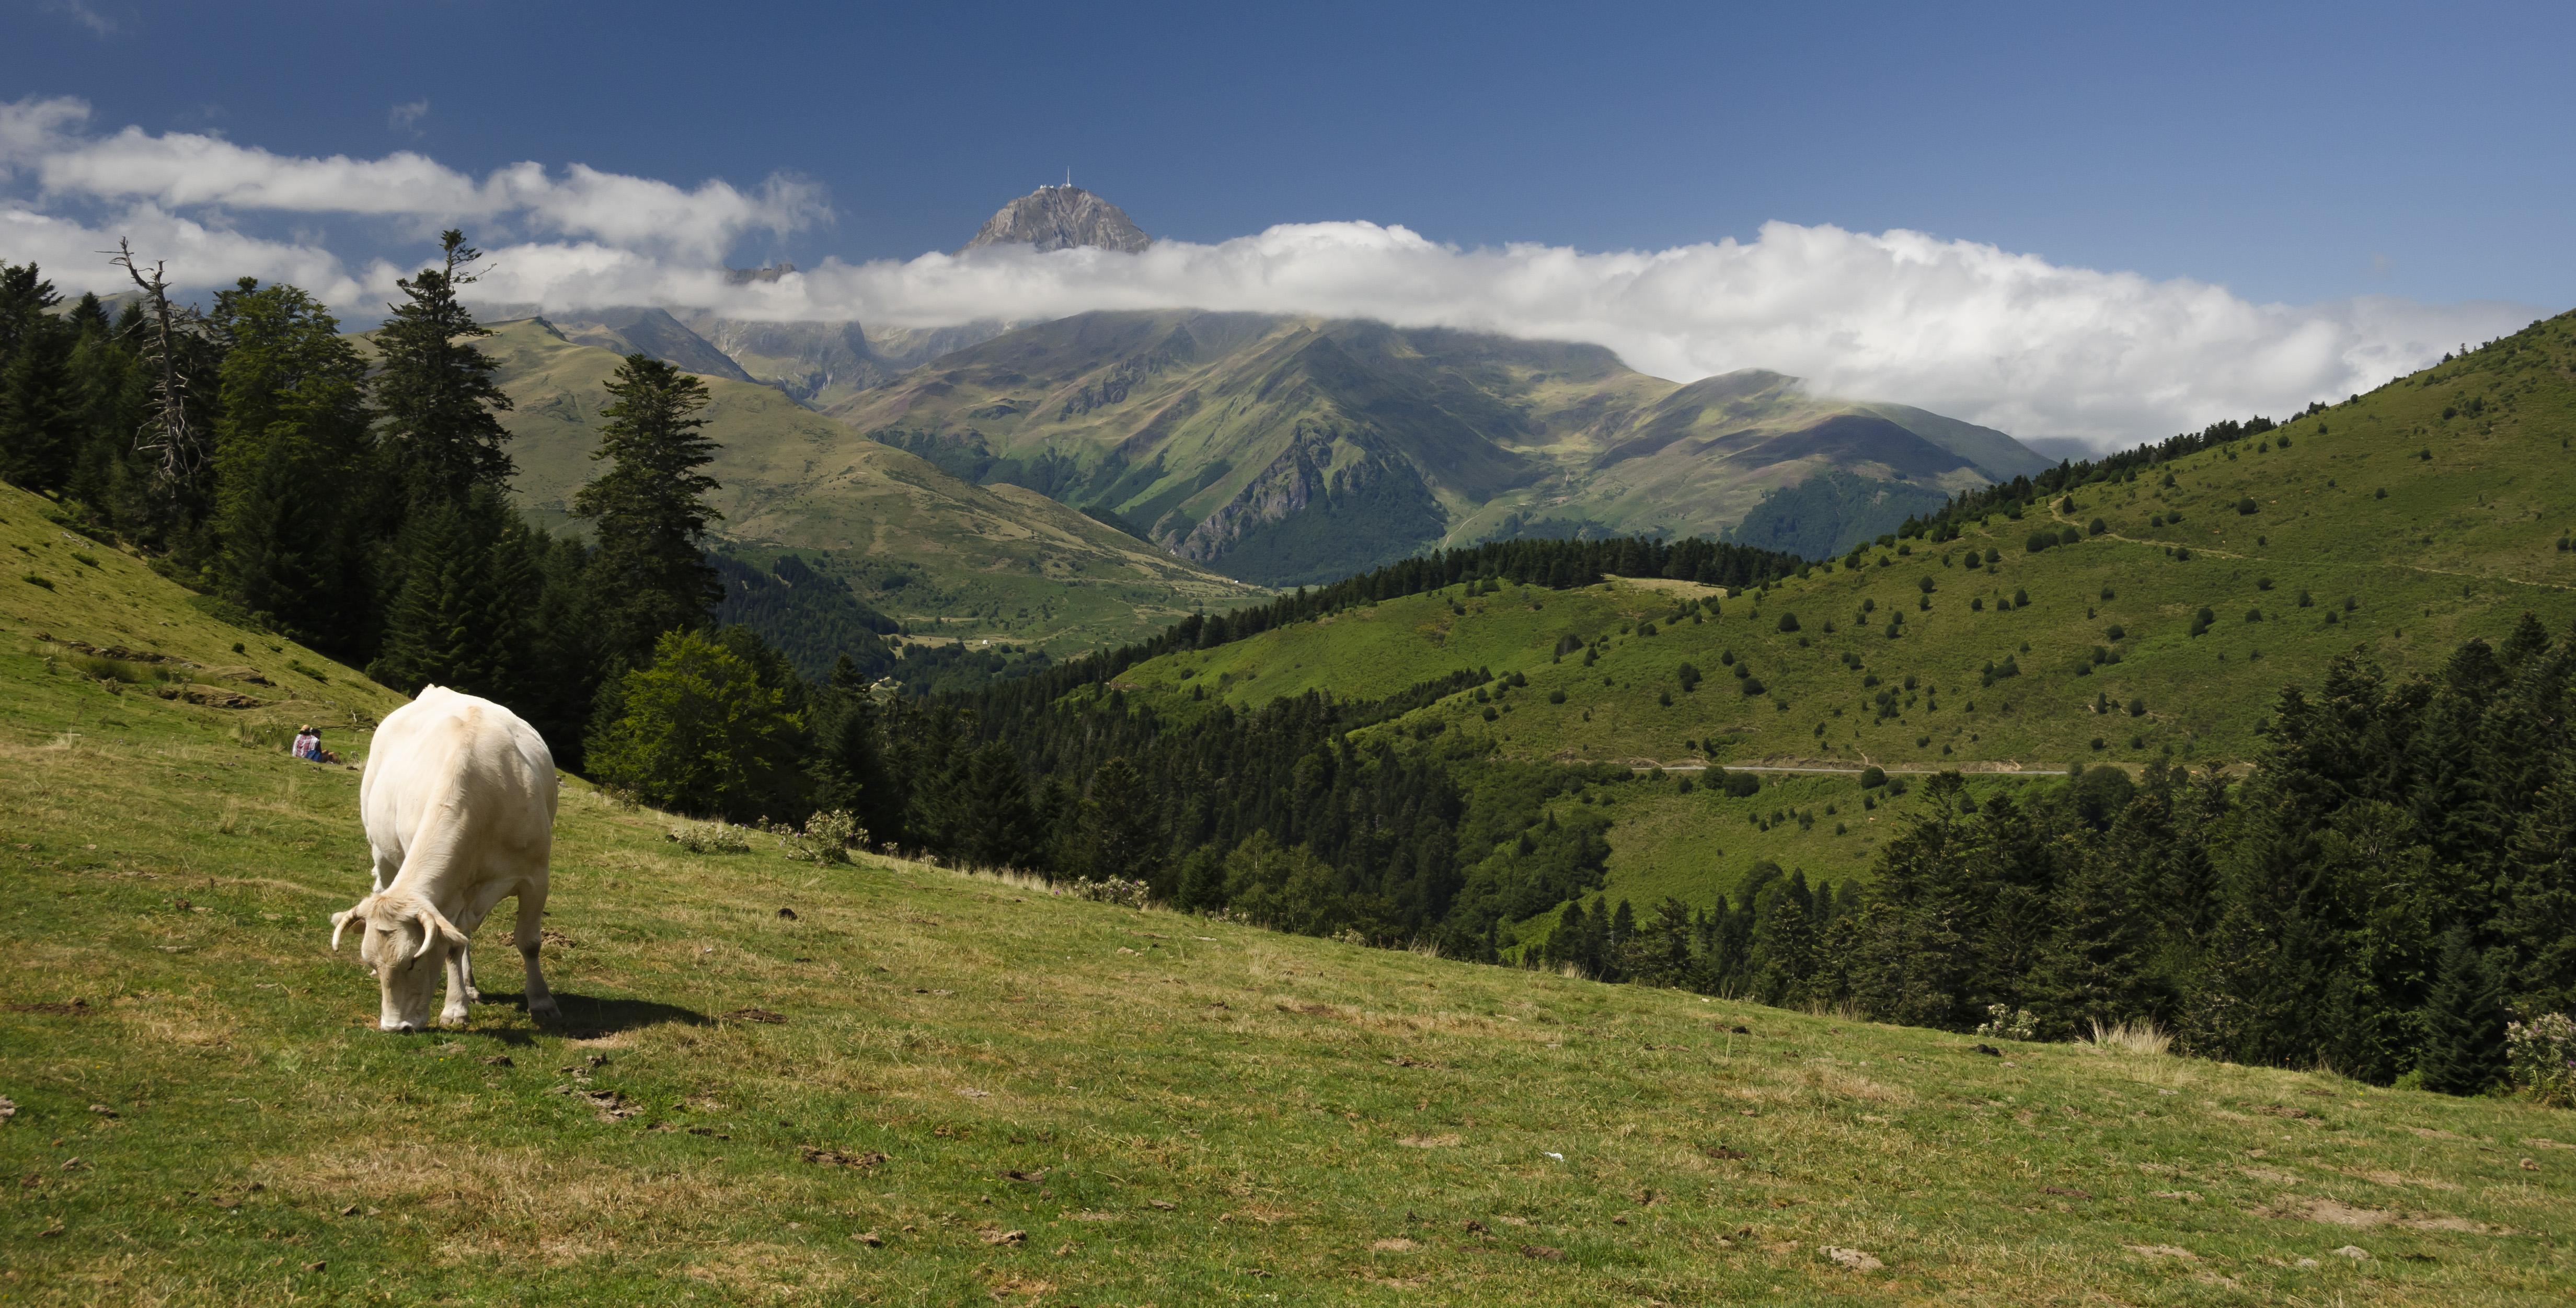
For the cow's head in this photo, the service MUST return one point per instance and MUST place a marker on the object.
(405, 940)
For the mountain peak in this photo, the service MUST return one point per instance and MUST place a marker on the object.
(1061, 218)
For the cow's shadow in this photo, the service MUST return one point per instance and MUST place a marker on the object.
(588, 1017)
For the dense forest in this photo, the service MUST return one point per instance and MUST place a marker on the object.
(359, 504)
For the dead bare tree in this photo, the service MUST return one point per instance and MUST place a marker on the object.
(166, 432)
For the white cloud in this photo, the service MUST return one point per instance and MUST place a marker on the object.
(88, 15)
(406, 117)
(1959, 327)
(74, 256)
(185, 169)
(1954, 326)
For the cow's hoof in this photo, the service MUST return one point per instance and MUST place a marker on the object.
(545, 1012)
(456, 1018)
(399, 1028)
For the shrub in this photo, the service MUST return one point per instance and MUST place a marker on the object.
(2253, 615)
(2096, 527)
(1121, 891)
(2115, 632)
(1556, 697)
(827, 838)
(1688, 676)
(2262, 583)
(2182, 554)
(1871, 778)
(1752, 685)
(2137, 707)
(2540, 1059)
(2021, 597)
(1788, 622)
(2380, 494)
(1924, 585)
(2200, 621)
(697, 732)
(1993, 556)
(2068, 536)
(2040, 540)
(2247, 507)
(710, 838)
(2005, 1022)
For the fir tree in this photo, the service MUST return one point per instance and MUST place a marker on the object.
(39, 410)
(459, 618)
(435, 386)
(650, 507)
(2463, 1050)
(1121, 833)
(290, 448)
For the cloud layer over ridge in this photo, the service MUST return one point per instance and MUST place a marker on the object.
(1962, 328)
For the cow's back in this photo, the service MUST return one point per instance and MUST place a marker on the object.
(458, 768)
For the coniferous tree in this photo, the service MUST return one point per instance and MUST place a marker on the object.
(1565, 941)
(291, 448)
(2463, 1050)
(39, 410)
(650, 508)
(459, 619)
(435, 386)
(2539, 915)
(1121, 832)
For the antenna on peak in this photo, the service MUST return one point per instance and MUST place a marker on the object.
(1068, 178)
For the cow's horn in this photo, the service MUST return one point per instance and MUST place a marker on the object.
(340, 921)
(434, 924)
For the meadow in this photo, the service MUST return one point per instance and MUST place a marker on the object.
(891, 1083)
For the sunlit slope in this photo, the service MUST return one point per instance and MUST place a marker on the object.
(2461, 545)
(1020, 1098)
(921, 545)
(151, 653)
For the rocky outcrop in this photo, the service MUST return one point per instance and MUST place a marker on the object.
(1061, 218)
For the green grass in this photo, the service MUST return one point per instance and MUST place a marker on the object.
(1218, 1113)
(2461, 547)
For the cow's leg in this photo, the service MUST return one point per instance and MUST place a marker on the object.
(385, 864)
(531, 931)
(465, 965)
(459, 993)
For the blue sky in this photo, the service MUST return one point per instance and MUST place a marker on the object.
(2398, 177)
(2290, 152)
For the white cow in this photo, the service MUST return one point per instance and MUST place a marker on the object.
(459, 804)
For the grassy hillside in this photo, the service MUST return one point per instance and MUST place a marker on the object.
(956, 560)
(2479, 478)
(1295, 450)
(1021, 1098)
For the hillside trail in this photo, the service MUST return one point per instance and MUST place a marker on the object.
(2056, 516)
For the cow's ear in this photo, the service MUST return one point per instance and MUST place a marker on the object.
(340, 921)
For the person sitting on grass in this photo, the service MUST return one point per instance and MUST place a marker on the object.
(319, 754)
(305, 742)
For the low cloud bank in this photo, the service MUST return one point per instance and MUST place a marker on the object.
(1963, 328)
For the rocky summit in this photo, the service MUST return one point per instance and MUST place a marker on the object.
(1061, 218)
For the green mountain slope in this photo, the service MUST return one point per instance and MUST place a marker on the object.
(950, 558)
(2431, 511)
(1294, 450)
(1021, 1097)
